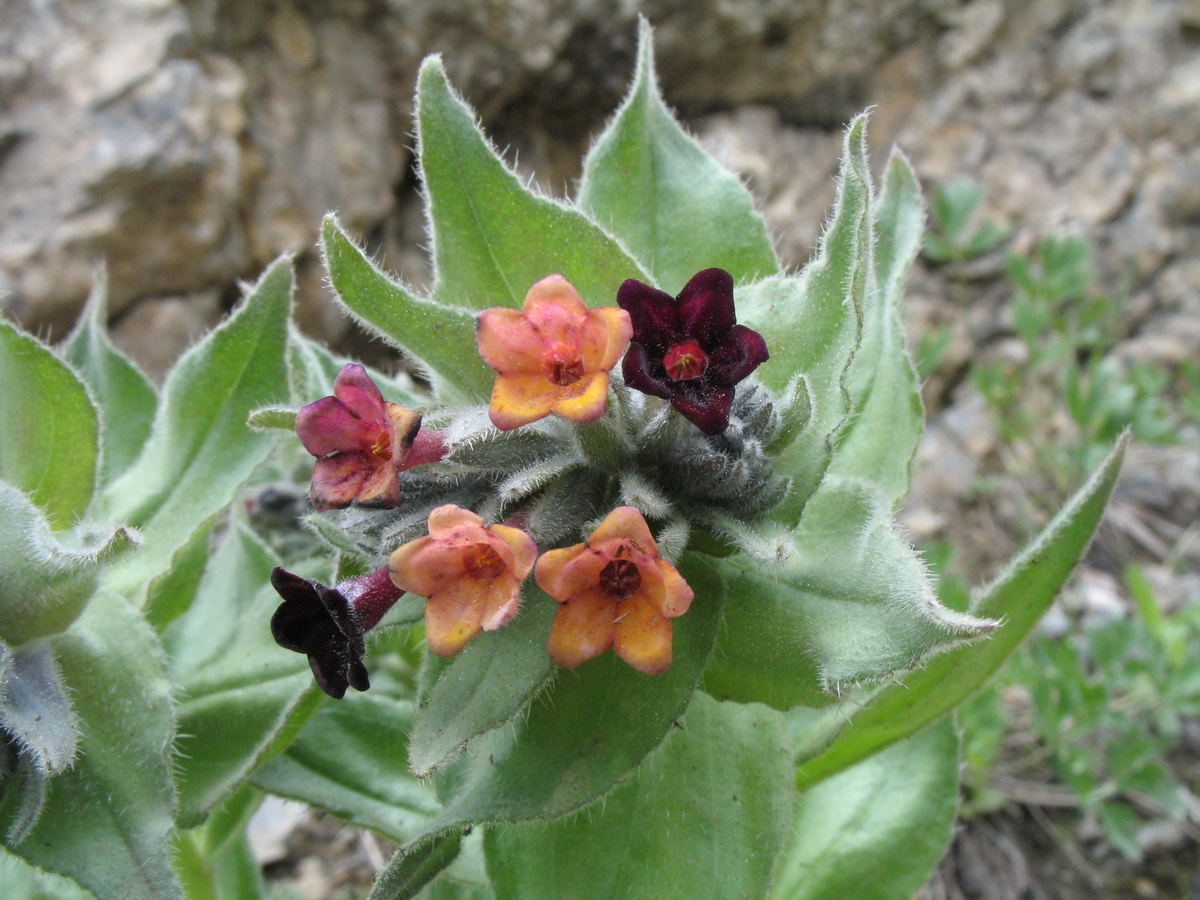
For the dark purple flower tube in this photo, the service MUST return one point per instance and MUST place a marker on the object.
(327, 624)
(689, 349)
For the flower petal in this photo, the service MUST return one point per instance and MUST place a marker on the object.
(328, 426)
(424, 566)
(583, 629)
(706, 306)
(641, 373)
(508, 342)
(588, 404)
(445, 518)
(354, 387)
(652, 313)
(628, 523)
(704, 404)
(643, 637)
(571, 571)
(336, 480)
(738, 353)
(520, 399)
(605, 338)
(524, 550)
(380, 489)
(453, 616)
(501, 600)
(678, 594)
(405, 425)
(555, 309)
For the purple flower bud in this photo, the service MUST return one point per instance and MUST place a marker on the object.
(689, 349)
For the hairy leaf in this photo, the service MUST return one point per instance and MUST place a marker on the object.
(883, 432)
(200, 451)
(49, 430)
(493, 238)
(439, 338)
(126, 397)
(812, 323)
(852, 604)
(1018, 598)
(703, 814)
(876, 830)
(675, 207)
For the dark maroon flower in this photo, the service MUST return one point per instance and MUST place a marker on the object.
(327, 624)
(361, 443)
(689, 349)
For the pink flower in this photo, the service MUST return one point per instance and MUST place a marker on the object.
(471, 574)
(552, 356)
(615, 591)
(361, 443)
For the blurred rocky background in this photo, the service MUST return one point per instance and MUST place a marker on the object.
(187, 144)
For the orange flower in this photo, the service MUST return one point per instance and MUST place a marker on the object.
(552, 356)
(615, 592)
(471, 574)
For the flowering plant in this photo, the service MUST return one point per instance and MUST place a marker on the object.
(642, 435)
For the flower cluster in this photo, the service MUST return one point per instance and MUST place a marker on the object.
(555, 357)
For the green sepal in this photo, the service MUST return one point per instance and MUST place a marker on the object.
(126, 398)
(702, 814)
(49, 428)
(493, 238)
(1017, 598)
(676, 208)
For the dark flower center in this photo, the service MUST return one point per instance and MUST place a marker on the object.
(563, 365)
(620, 579)
(482, 562)
(685, 361)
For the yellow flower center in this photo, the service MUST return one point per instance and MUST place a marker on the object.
(382, 448)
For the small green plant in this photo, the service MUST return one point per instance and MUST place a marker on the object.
(1109, 703)
(958, 233)
(1068, 332)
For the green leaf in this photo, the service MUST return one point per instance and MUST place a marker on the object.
(312, 369)
(889, 818)
(44, 581)
(49, 431)
(675, 207)
(126, 397)
(200, 451)
(578, 738)
(272, 418)
(24, 882)
(486, 685)
(439, 338)
(703, 814)
(492, 237)
(35, 710)
(1018, 598)
(882, 435)
(416, 865)
(215, 861)
(107, 821)
(350, 761)
(852, 604)
(237, 687)
(812, 322)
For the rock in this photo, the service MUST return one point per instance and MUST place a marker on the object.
(154, 332)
